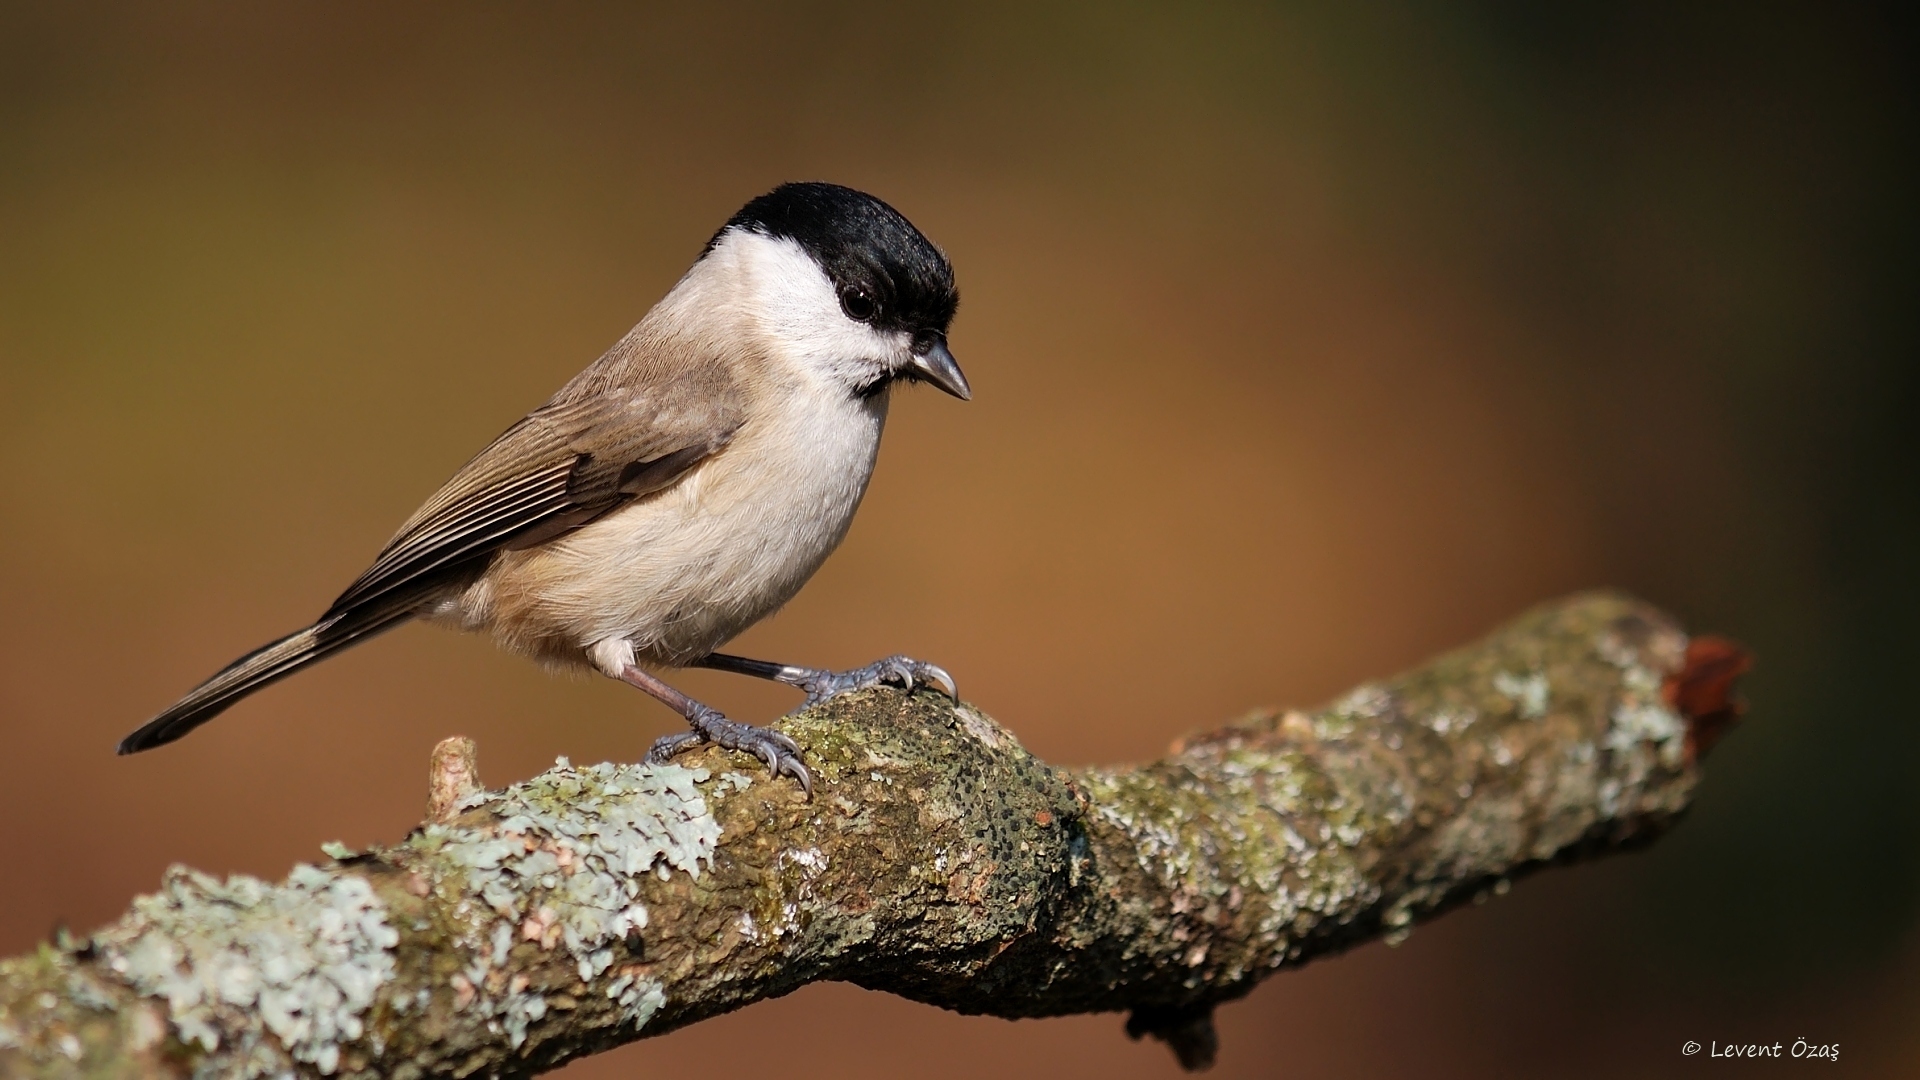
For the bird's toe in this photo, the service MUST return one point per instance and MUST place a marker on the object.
(902, 671)
(780, 753)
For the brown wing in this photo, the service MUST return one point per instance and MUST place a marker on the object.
(633, 422)
(559, 468)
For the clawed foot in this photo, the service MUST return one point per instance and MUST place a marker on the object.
(902, 671)
(781, 754)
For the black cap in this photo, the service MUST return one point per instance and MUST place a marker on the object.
(885, 271)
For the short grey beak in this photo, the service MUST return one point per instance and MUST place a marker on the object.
(938, 367)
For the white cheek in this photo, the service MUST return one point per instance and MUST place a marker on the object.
(794, 303)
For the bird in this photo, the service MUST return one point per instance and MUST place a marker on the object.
(681, 487)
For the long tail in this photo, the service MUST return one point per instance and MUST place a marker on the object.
(267, 664)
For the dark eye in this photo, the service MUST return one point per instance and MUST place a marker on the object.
(857, 304)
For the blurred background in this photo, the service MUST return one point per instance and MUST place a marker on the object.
(1307, 341)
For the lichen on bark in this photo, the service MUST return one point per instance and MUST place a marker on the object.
(590, 906)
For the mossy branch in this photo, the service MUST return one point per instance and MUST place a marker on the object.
(588, 907)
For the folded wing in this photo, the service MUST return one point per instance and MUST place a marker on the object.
(559, 468)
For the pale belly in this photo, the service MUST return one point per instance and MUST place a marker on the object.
(680, 572)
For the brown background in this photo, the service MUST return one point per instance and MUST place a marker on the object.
(1306, 343)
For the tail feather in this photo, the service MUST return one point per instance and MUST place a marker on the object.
(267, 664)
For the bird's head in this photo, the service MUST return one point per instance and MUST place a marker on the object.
(842, 283)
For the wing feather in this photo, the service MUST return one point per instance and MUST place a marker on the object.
(557, 469)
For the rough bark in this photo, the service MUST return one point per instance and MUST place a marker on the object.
(590, 906)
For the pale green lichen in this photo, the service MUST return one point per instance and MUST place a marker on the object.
(307, 958)
(83, 990)
(1639, 723)
(1267, 841)
(1347, 715)
(639, 998)
(1446, 720)
(578, 840)
(562, 864)
(1646, 739)
(1223, 835)
(1530, 692)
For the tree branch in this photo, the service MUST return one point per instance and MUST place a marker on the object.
(590, 906)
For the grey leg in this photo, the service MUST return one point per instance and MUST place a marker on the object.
(821, 684)
(781, 754)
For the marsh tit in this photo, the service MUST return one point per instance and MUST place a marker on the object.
(682, 487)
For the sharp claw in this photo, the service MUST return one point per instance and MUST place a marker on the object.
(799, 773)
(902, 671)
(786, 744)
(939, 675)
